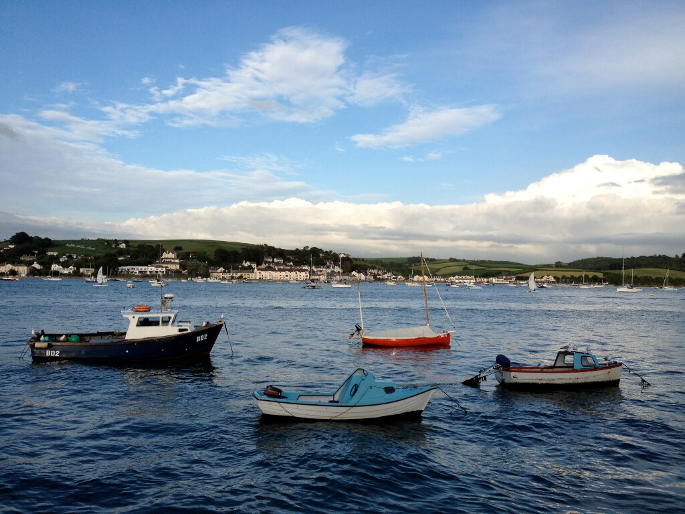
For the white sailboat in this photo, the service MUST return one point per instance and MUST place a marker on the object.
(667, 287)
(630, 288)
(340, 283)
(584, 285)
(100, 280)
(532, 287)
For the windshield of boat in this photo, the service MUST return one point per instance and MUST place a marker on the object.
(153, 321)
(587, 362)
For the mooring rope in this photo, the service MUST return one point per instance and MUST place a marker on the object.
(643, 382)
(455, 401)
(480, 377)
(227, 334)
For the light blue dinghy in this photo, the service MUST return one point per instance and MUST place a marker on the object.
(360, 397)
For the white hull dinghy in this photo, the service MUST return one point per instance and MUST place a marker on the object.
(360, 397)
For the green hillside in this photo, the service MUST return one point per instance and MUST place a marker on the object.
(201, 254)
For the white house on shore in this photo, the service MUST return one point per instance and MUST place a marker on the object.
(142, 270)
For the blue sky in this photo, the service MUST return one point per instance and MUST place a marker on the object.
(533, 131)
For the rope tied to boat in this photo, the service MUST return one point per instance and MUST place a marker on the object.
(482, 376)
(455, 401)
(26, 348)
(643, 382)
(227, 334)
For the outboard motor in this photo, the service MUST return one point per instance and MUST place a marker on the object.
(503, 361)
(273, 392)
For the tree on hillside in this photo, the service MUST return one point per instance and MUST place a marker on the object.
(20, 238)
(347, 264)
(196, 268)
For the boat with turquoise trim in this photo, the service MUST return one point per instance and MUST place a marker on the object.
(572, 369)
(360, 397)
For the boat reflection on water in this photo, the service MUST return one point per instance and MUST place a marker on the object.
(600, 402)
(277, 434)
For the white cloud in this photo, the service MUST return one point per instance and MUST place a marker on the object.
(68, 87)
(598, 176)
(298, 77)
(44, 170)
(371, 89)
(79, 129)
(538, 224)
(425, 127)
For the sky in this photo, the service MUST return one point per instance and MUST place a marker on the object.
(530, 131)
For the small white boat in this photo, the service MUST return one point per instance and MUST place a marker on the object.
(360, 397)
(572, 369)
(666, 286)
(100, 280)
(53, 278)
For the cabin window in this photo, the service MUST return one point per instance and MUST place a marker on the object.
(165, 320)
(148, 322)
(568, 359)
(587, 362)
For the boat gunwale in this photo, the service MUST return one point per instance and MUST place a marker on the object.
(113, 337)
(557, 369)
(295, 401)
(442, 339)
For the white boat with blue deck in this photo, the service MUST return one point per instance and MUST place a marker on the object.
(360, 397)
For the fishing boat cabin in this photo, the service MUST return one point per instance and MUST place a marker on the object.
(575, 359)
(144, 322)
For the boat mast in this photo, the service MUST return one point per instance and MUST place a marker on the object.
(425, 297)
(359, 294)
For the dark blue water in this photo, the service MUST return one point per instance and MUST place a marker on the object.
(187, 438)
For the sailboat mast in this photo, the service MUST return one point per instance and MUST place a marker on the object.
(359, 294)
(425, 296)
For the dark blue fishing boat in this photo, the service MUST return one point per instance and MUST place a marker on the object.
(152, 335)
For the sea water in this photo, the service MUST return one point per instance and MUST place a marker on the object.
(187, 437)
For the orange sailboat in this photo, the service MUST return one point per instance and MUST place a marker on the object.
(422, 335)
